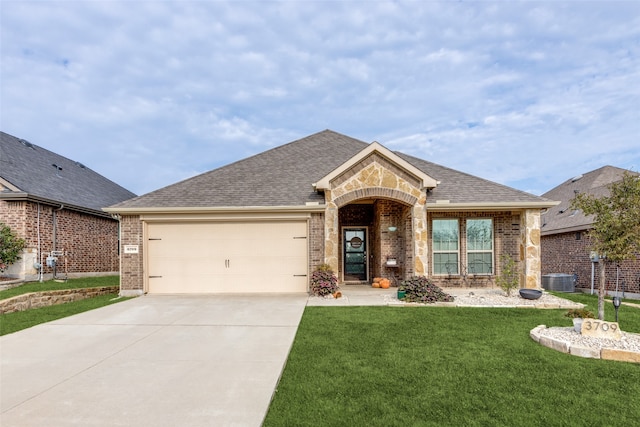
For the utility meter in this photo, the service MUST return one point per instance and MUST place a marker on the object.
(51, 261)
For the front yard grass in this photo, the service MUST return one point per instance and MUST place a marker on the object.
(441, 366)
(13, 322)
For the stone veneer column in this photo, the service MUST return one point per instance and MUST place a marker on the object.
(331, 233)
(421, 252)
(530, 248)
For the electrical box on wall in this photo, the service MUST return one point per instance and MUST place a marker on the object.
(594, 256)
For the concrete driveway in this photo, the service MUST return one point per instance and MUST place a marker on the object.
(151, 361)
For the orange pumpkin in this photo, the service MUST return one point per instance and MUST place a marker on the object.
(384, 284)
(375, 285)
(377, 279)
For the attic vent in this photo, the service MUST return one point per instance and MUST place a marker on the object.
(58, 168)
(26, 143)
(80, 165)
(575, 178)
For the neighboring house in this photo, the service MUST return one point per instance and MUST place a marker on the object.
(263, 224)
(565, 240)
(55, 204)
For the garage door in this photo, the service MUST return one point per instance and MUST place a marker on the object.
(233, 257)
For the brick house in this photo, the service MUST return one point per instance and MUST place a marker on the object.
(565, 240)
(263, 224)
(55, 204)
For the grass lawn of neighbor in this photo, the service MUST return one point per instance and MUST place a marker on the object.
(445, 366)
(17, 321)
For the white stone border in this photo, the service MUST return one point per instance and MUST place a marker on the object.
(580, 351)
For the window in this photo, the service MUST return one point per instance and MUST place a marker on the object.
(446, 238)
(480, 246)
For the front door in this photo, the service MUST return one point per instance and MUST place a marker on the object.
(355, 254)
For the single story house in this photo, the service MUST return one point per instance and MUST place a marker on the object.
(265, 223)
(565, 240)
(55, 204)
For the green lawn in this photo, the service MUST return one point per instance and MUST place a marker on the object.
(17, 321)
(52, 285)
(440, 366)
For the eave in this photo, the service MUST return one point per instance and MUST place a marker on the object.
(446, 206)
(26, 197)
(215, 209)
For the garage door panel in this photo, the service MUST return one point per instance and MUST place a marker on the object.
(227, 257)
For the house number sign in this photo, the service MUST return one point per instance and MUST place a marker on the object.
(130, 249)
(601, 329)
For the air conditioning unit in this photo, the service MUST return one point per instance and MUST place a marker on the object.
(559, 282)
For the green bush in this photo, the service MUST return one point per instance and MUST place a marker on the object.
(420, 289)
(10, 247)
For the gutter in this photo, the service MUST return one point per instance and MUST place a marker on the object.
(445, 205)
(22, 196)
(315, 207)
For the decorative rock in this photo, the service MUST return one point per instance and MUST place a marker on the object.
(620, 355)
(587, 352)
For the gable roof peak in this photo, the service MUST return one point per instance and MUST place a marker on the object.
(376, 147)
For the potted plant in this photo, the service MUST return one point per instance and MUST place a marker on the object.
(578, 315)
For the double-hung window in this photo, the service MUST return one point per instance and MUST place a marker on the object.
(480, 246)
(446, 246)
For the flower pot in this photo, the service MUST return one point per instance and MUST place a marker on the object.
(577, 324)
(401, 294)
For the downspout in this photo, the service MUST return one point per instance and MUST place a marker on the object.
(55, 237)
(41, 279)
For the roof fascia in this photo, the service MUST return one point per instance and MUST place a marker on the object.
(26, 197)
(501, 206)
(7, 184)
(427, 181)
(584, 227)
(212, 209)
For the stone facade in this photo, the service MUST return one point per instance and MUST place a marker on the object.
(44, 299)
(376, 178)
(89, 242)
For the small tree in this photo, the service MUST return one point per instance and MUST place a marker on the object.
(616, 227)
(10, 247)
(509, 278)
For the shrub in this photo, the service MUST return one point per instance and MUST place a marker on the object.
(10, 247)
(579, 313)
(323, 281)
(510, 277)
(420, 289)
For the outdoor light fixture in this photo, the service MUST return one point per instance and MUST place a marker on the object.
(392, 228)
(616, 304)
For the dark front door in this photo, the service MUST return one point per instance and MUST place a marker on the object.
(355, 254)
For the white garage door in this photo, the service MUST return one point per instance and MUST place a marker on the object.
(230, 257)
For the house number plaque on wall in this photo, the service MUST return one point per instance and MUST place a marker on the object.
(601, 329)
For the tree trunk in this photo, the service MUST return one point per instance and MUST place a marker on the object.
(601, 290)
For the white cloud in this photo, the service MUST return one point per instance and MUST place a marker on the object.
(549, 89)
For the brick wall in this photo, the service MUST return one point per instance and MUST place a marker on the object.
(316, 241)
(132, 278)
(506, 239)
(569, 253)
(90, 242)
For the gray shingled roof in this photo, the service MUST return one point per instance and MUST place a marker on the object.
(283, 176)
(30, 168)
(561, 218)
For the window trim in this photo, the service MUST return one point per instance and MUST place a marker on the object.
(483, 251)
(434, 252)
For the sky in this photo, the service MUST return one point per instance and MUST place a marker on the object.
(148, 93)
